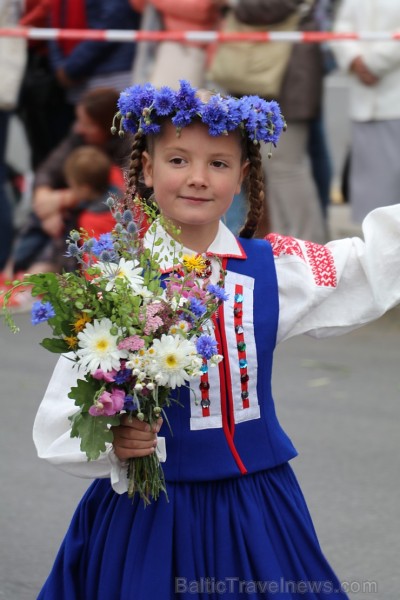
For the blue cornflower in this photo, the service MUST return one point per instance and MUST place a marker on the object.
(142, 107)
(218, 292)
(41, 312)
(151, 128)
(186, 98)
(206, 346)
(214, 114)
(104, 243)
(130, 403)
(197, 307)
(123, 376)
(182, 118)
(164, 101)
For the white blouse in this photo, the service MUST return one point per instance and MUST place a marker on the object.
(323, 290)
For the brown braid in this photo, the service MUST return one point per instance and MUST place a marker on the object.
(135, 166)
(256, 193)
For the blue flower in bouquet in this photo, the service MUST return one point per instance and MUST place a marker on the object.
(131, 403)
(197, 307)
(105, 243)
(123, 376)
(218, 292)
(206, 346)
(42, 312)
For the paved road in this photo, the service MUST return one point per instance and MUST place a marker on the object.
(339, 399)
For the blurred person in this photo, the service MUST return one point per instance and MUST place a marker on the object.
(180, 60)
(91, 179)
(318, 144)
(80, 65)
(295, 209)
(42, 107)
(6, 213)
(51, 196)
(374, 70)
(12, 64)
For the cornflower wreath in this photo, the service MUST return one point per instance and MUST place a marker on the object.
(142, 109)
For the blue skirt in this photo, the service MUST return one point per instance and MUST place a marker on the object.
(247, 538)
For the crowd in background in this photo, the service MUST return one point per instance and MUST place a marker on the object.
(67, 92)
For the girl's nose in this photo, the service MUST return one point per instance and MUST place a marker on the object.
(198, 176)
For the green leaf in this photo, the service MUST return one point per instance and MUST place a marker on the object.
(84, 392)
(54, 345)
(93, 432)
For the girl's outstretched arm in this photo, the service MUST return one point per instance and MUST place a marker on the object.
(332, 289)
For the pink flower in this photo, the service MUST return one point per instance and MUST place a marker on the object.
(108, 403)
(187, 288)
(105, 375)
(153, 321)
(134, 342)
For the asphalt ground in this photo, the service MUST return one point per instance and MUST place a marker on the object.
(338, 399)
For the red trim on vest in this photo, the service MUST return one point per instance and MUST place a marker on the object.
(228, 425)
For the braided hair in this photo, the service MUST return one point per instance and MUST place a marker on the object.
(135, 180)
(255, 191)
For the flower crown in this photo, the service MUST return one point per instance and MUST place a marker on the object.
(143, 107)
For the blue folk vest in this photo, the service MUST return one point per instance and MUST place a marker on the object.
(227, 426)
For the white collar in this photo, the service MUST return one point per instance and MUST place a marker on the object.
(224, 245)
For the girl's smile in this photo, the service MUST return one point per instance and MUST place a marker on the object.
(194, 178)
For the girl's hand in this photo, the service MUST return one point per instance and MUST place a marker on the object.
(133, 438)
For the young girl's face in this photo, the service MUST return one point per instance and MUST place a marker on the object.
(194, 176)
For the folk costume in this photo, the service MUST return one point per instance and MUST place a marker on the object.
(236, 521)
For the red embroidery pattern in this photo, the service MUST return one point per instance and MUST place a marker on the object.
(241, 345)
(282, 244)
(322, 264)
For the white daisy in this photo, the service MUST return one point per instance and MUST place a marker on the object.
(125, 268)
(98, 347)
(172, 360)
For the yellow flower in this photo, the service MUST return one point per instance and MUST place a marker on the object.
(71, 341)
(80, 323)
(194, 263)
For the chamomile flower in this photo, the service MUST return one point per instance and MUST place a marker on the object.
(128, 269)
(98, 347)
(172, 360)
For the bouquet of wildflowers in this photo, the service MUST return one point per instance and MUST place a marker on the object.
(134, 334)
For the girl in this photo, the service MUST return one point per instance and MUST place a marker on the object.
(236, 523)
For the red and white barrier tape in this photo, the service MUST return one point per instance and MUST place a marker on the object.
(118, 35)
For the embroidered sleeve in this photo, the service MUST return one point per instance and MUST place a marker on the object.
(319, 258)
(331, 289)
